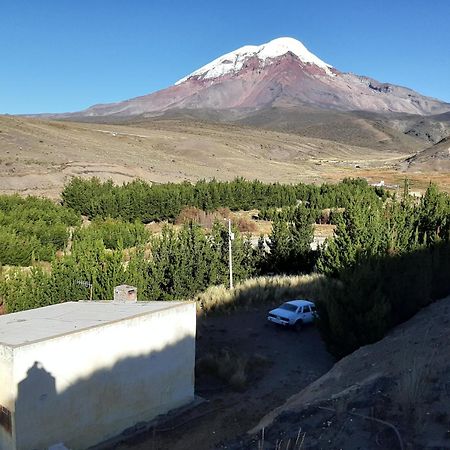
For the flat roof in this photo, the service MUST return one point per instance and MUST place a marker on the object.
(34, 325)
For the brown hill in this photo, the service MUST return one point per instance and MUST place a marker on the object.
(435, 158)
(353, 128)
(39, 156)
(430, 129)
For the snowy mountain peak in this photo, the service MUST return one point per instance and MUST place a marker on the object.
(280, 46)
(234, 61)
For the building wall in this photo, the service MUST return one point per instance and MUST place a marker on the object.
(83, 388)
(6, 397)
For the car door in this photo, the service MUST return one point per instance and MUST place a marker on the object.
(307, 314)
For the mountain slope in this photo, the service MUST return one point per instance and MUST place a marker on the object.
(431, 129)
(281, 73)
(235, 61)
(434, 158)
(350, 128)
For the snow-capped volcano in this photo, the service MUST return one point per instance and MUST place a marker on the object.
(281, 73)
(233, 62)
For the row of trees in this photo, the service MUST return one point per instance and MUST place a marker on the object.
(144, 202)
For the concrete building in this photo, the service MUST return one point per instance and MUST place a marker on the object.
(79, 373)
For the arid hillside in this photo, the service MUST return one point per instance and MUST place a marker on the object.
(38, 156)
(435, 158)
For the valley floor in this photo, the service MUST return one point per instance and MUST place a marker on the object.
(40, 156)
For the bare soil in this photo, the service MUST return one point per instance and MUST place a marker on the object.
(288, 361)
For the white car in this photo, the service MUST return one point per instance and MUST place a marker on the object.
(294, 313)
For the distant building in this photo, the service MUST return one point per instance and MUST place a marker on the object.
(381, 183)
(79, 373)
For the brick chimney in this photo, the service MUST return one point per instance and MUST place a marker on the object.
(125, 294)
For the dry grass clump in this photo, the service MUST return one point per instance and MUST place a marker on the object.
(263, 290)
(414, 381)
(203, 218)
(193, 214)
(207, 219)
(245, 225)
(324, 230)
(230, 367)
(225, 365)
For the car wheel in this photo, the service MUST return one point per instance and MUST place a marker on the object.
(298, 325)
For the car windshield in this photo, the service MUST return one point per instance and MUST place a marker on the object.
(288, 306)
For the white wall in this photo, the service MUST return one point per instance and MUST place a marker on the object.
(6, 389)
(83, 388)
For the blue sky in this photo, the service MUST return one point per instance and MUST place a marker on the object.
(65, 55)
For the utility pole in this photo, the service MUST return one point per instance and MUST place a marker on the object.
(230, 256)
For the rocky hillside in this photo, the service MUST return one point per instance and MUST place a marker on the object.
(434, 158)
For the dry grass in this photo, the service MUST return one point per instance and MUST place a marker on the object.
(324, 230)
(418, 181)
(207, 219)
(293, 443)
(411, 386)
(245, 225)
(46, 266)
(262, 290)
(203, 218)
(234, 369)
(414, 381)
(258, 227)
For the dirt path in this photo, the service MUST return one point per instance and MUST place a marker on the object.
(292, 361)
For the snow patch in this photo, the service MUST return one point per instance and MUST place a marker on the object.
(234, 61)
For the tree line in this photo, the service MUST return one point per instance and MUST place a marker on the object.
(145, 202)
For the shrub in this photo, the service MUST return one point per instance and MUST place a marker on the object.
(114, 233)
(32, 229)
(234, 369)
